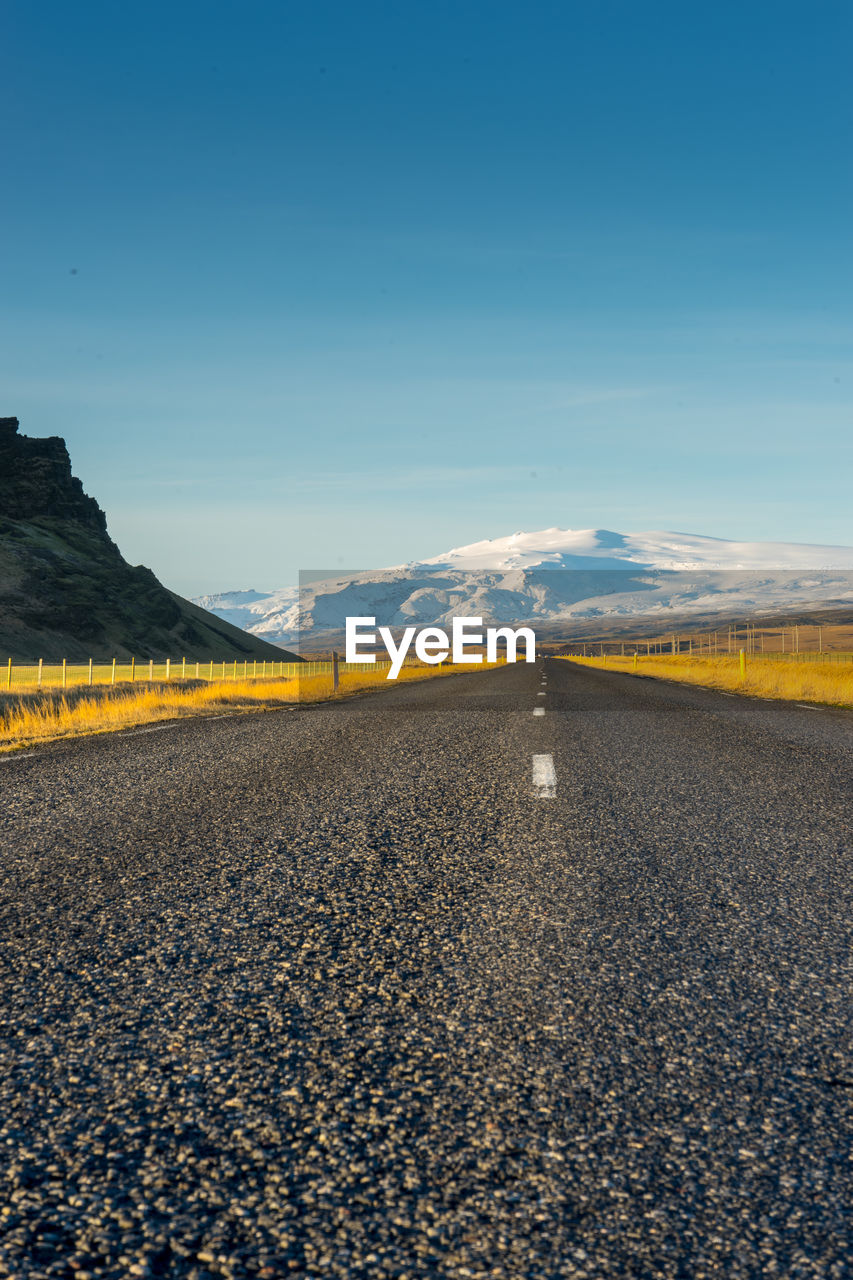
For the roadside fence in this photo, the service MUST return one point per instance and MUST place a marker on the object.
(777, 646)
(38, 674)
(807, 657)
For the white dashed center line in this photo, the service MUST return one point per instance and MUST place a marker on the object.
(544, 778)
(540, 695)
(539, 711)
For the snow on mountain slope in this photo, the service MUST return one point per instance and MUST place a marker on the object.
(252, 608)
(518, 579)
(601, 548)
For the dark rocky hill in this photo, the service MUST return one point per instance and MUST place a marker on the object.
(66, 591)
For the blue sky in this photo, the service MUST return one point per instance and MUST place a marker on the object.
(349, 284)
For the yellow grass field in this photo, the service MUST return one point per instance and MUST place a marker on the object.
(25, 722)
(824, 682)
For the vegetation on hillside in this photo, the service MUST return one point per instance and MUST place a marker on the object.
(66, 591)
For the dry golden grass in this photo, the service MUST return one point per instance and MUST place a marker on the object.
(45, 718)
(824, 682)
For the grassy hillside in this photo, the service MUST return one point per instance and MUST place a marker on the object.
(66, 591)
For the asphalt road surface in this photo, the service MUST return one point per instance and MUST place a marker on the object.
(424, 984)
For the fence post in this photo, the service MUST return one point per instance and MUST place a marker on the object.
(113, 678)
(9, 675)
(64, 672)
(196, 670)
(334, 671)
(635, 662)
(90, 672)
(41, 665)
(742, 665)
(184, 668)
(168, 668)
(132, 669)
(150, 668)
(234, 677)
(254, 669)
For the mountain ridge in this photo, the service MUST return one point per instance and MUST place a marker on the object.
(555, 575)
(66, 591)
(652, 549)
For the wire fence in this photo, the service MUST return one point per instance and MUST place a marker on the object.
(641, 650)
(824, 641)
(27, 676)
(806, 657)
(778, 646)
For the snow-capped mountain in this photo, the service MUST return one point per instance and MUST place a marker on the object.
(554, 575)
(602, 549)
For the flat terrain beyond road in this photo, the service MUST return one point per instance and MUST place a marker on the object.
(424, 984)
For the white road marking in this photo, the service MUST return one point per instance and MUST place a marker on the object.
(539, 711)
(544, 778)
(7, 758)
(540, 695)
(808, 707)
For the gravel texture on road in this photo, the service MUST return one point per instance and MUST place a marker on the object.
(329, 992)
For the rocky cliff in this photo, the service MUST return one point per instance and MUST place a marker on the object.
(65, 589)
(36, 481)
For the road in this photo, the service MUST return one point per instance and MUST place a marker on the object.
(363, 990)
